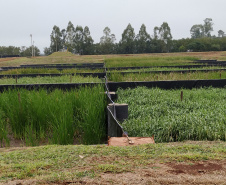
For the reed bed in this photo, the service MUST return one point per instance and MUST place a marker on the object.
(138, 61)
(117, 77)
(57, 117)
(200, 115)
(48, 71)
(49, 80)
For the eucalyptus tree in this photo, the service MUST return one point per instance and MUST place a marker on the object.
(197, 31)
(55, 39)
(78, 40)
(221, 33)
(127, 43)
(63, 39)
(163, 33)
(143, 40)
(87, 42)
(70, 36)
(107, 41)
(207, 27)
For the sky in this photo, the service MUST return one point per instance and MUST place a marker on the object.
(20, 18)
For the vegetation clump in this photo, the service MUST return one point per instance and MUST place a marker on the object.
(199, 116)
(57, 117)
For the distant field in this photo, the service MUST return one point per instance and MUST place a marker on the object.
(55, 58)
(161, 59)
(58, 58)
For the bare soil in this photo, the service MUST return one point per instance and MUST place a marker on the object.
(7, 59)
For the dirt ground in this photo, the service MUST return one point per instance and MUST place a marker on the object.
(204, 172)
(7, 59)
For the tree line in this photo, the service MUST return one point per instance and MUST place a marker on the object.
(22, 51)
(79, 40)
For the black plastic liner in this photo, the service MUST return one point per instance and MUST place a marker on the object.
(102, 75)
(66, 86)
(99, 75)
(205, 61)
(54, 67)
(113, 86)
(187, 84)
(9, 56)
(61, 65)
(210, 62)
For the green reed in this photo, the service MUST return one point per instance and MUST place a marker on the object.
(57, 117)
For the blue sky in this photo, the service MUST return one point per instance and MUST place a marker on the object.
(20, 18)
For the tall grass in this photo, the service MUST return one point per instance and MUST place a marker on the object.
(135, 61)
(3, 130)
(49, 79)
(57, 117)
(117, 77)
(199, 116)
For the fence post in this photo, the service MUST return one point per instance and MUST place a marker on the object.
(120, 111)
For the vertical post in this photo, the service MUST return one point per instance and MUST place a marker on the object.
(121, 113)
(181, 95)
(34, 48)
(31, 46)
